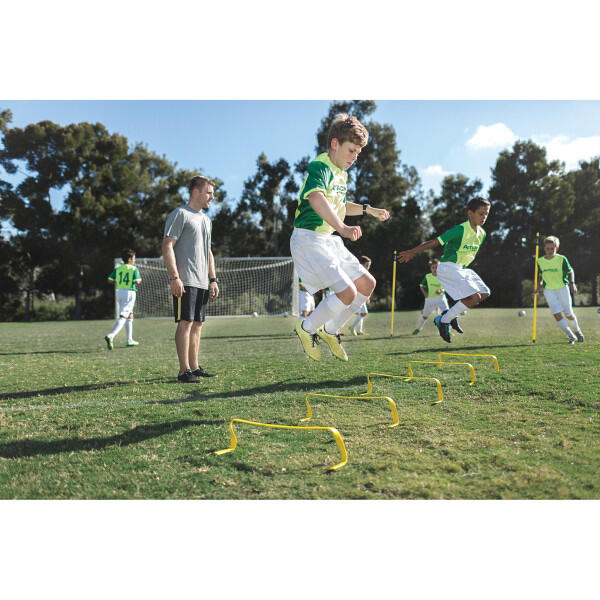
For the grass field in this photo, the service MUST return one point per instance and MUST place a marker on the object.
(78, 421)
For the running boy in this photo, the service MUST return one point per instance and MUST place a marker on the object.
(126, 277)
(557, 276)
(357, 325)
(461, 244)
(435, 297)
(321, 259)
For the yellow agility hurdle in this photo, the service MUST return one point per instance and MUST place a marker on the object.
(393, 407)
(496, 365)
(439, 363)
(405, 378)
(336, 434)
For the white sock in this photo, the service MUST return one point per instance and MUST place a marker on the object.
(360, 325)
(421, 323)
(454, 312)
(129, 329)
(337, 322)
(326, 309)
(356, 321)
(565, 327)
(576, 323)
(118, 326)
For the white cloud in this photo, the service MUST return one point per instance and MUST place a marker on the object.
(571, 151)
(492, 136)
(435, 171)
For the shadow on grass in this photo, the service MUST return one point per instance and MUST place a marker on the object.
(28, 448)
(87, 351)
(450, 348)
(76, 388)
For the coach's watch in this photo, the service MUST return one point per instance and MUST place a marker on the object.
(365, 207)
(213, 280)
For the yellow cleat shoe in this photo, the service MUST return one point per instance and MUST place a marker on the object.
(334, 342)
(309, 341)
(352, 330)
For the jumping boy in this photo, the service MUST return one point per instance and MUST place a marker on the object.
(126, 277)
(557, 276)
(461, 244)
(435, 297)
(357, 325)
(321, 259)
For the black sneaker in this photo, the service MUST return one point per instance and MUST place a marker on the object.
(188, 377)
(200, 372)
(443, 328)
(454, 323)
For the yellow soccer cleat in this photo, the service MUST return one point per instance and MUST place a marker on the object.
(334, 342)
(309, 341)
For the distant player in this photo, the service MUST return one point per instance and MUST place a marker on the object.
(307, 301)
(126, 278)
(461, 244)
(435, 297)
(321, 259)
(557, 276)
(357, 325)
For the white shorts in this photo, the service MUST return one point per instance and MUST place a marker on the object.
(559, 301)
(307, 302)
(460, 283)
(322, 261)
(440, 304)
(125, 300)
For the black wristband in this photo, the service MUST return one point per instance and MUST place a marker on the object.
(365, 206)
(213, 280)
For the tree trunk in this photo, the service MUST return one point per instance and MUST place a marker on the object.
(29, 299)
(595, 290)
(77, 315)
(519, 285)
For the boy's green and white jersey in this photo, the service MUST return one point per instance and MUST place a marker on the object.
(554, 272)
(124, 277)
(432, 284)
(323, 176)
(461, 244)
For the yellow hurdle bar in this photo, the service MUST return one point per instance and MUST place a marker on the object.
(336, 434)
(535, 285)
(393, 294)
(393, 407)
(496, 365)
(405, 378)
(439, 363)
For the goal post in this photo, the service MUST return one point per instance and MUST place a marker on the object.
(267, 286)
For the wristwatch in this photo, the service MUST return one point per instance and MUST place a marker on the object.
(365, 206)
(173, 278)
(213, 280)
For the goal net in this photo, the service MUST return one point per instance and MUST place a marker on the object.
(266, 286)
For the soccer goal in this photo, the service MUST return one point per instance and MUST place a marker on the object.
(267, 286)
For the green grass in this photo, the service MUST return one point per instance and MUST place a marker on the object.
(78, 421)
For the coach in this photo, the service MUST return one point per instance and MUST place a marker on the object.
(190, 264)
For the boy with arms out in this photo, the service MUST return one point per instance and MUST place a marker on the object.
(126, 277)
(461, 244)
(321, 259)
(435, 297)
(556, 276)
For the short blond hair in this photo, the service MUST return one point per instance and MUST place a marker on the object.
(553, 239)
(347, 128)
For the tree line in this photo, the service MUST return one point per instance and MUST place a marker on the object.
(117, 195)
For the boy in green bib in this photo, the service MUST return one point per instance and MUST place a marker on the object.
(557, 279)
(126, 278)
(435, 297)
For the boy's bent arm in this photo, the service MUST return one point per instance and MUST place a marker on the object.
(407, 255)
(353, 210)
(320, 205)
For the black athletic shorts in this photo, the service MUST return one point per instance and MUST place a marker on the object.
(191, 306)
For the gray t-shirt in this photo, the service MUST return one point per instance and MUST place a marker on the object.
(192, 230)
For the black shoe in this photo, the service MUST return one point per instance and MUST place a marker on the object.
(454, 324)
(200, 372)
(443, 328)
(188, 377)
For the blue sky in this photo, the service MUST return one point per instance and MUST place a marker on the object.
(225, 137)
